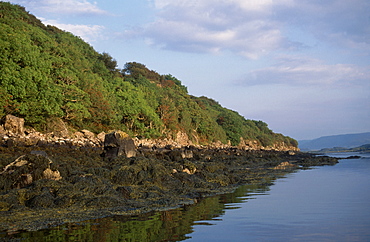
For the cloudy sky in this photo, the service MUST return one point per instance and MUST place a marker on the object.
(302, 66)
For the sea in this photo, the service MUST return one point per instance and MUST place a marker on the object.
(324, 203)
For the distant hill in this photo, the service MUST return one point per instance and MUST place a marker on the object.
(344, 140)
(362, 149)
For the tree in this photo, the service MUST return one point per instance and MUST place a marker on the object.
(136, 114)
(109, 62)
(137, 70)
(49, 73)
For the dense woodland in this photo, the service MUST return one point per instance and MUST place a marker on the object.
(48, 74)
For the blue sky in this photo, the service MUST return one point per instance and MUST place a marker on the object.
(302, 66)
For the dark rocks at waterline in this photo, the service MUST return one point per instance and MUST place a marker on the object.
(352, 157)
(154, 179)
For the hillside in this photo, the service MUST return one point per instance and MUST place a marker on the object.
(363, 149)
(343, 141)
(50, 76)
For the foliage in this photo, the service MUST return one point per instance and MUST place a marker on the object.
(49, 73)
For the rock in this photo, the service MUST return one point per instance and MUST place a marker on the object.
(248, 144)
(78, 135)
(352, 157)
(3, 139)
(175, 155)
(178, 154)
(88, 134)
(52, 175)
(29, 168)
(10, 142)
(17, 163)
(85, 138)
(24, 180)
(182, 139)
(284, 165)
(187, 154)
(101, 137)
(186, 170)
(39, 152)
(14, 124)
(32, 139)
(44, 200)
(118, 143)
(189, 168)
(57, 127)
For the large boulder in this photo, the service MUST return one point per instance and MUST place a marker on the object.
(118, 143)
(14, 124)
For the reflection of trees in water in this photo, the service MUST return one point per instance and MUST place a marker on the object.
(171, 225)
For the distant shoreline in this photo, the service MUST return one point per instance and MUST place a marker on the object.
(362, 149)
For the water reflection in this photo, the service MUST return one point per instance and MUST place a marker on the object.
(172, 225)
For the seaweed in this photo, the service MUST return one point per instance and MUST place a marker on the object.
(93, 186)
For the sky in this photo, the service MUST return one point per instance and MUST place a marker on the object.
(301, 66)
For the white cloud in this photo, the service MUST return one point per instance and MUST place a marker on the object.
(184, 36)
(309, 72)
(255, 28)
(88, 33)
(64, 6)
(339, 22)
(214, 26)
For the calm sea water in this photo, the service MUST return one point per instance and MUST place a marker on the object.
(330, 203)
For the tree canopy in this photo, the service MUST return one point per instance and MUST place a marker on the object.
(48, 73)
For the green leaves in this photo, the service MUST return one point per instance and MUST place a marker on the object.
(134, 110)
(24, 76)
(48, 73)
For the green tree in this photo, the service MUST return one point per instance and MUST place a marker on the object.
(135, 112)
(109, 62)
(48, 73)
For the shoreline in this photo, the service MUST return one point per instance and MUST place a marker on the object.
(90, 187)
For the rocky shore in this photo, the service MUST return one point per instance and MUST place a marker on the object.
(51, 183)
(13, 133)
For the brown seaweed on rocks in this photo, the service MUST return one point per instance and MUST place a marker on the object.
(89, 186)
